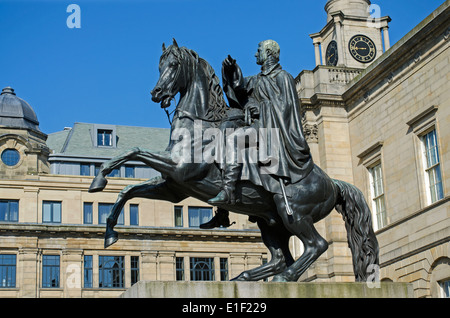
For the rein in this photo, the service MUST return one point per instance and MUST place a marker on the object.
(193, 117)
(167, 112)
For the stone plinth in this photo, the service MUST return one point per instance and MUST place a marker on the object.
(161, 289)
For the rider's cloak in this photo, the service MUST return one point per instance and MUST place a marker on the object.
(273, 92)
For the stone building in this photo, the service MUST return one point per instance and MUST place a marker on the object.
(375, 115)
(51, 228)
(378, 117)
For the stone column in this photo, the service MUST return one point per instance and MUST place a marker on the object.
(317, 52)
(237, 264)
(27, 272)
(148, 271)
(339, 40)
(166, 266)
(387, 43)
(335, 159)
(72, 272)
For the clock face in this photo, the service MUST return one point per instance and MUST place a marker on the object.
(332, 54)
(362, 48)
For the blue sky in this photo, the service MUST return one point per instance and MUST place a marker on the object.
(103, 72)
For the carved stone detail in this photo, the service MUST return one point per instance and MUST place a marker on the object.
(311, 132)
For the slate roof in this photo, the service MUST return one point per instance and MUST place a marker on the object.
(79, 141)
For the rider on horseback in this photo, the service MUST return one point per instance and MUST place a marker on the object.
(271, 99)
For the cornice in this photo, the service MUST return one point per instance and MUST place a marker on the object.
(128, 232)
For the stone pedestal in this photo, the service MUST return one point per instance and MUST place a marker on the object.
(161, 289)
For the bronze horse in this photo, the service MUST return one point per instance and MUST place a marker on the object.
(313, 198)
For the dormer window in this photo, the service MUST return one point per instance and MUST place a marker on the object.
(104, 136)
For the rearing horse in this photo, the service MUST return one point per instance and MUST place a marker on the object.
(314, 197)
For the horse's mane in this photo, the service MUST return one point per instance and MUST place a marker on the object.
(217, 105)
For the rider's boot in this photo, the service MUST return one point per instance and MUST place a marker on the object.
(220, 219)
(227, 195)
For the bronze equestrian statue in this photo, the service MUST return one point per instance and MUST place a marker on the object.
(280, 187)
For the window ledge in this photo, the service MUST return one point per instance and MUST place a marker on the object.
(413, 215)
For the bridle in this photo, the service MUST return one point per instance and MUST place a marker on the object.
(178, 112)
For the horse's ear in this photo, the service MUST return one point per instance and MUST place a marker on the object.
(175, 43)
(164, 47)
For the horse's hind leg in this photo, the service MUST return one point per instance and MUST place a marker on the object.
(314, 245)
(276, 239)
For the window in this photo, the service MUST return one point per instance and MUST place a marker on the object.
(178, 216)
(134, 269)
(9, 210)
(111, 272)
(50, 271)
(445, 288)
(202, 269)
(10, 157)
(129, 172)
(424, 127)
(433, 175)
(104, 137)
(199, 215)
(88, 271)
(224, 269)
(87, 213)
(85, 169)
(51, 212)
(134, 214)
(377, 192)
(104, 210)
(7, 271)
(179, 268)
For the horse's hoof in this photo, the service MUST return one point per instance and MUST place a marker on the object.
(280, 279)
(243, 277)
(98, 184)
(111, 240)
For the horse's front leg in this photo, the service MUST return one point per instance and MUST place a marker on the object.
(99, 182)
(161, 162)
(156, 188)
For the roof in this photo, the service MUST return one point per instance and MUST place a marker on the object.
(15, 112)
(80, 140)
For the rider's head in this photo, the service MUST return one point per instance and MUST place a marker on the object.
(265, 49)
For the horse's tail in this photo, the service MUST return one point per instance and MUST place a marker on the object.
(361, 237)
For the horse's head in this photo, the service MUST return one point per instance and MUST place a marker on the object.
(183, 71)
(171, 78)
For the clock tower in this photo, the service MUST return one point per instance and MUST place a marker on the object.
(355, 34)
(354, 37)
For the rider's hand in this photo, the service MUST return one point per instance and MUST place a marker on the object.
(229, 63)
(253, 108)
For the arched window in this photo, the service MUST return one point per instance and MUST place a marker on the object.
(440, 278)
(202, 268)
(111, 271)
